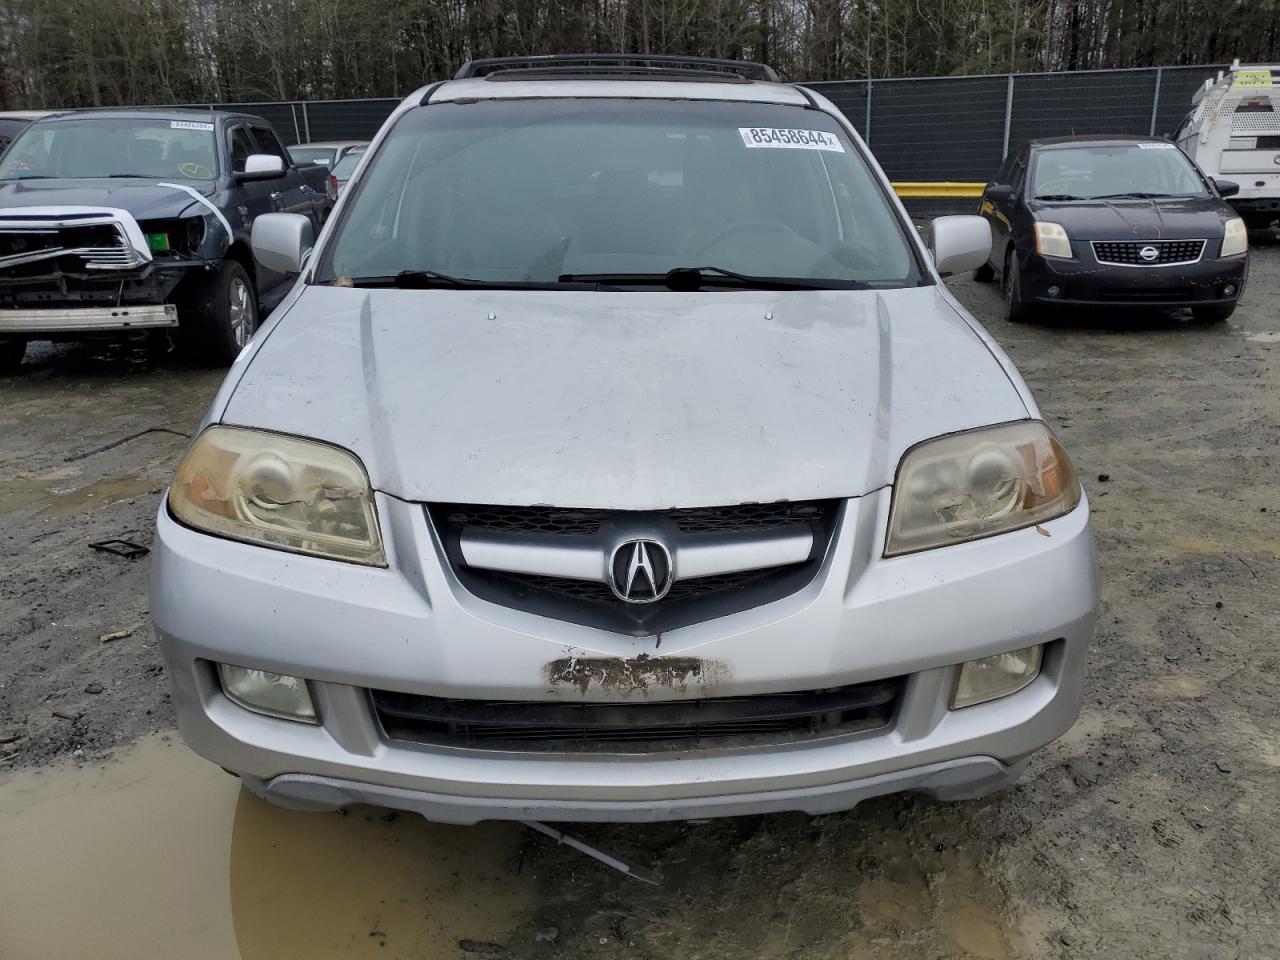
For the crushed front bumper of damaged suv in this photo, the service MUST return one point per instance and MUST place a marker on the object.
(537, 528)
(92, 270)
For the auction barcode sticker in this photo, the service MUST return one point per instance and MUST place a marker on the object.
(790, 139)
(189, 125)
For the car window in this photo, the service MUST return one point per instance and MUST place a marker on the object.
(303, 156)
(269, 143)
(533, 189)
(347, 165)
(242, 147)
(1155, 168)
(115, 147)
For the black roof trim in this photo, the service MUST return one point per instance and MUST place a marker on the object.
(616, 66)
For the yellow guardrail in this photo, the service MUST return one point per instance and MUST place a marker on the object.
(917, 188)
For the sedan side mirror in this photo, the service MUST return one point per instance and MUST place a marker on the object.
(999, 192)
(280, 241)
(960, 243)
(1227, 188)
(261, 166)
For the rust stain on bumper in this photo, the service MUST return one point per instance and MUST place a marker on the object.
(631, 675)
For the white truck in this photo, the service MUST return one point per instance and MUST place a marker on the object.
(1233, 131)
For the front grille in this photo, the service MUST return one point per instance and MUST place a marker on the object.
(1128, 252)
(558, 520)
(592, 603)
(94, 246)
(637, 727)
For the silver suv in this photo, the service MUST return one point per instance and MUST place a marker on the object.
(620, 455)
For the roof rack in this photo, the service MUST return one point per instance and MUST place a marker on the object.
(646, 66)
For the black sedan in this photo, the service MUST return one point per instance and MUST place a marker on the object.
(1114, 222)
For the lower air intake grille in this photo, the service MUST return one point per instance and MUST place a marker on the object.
(639, 727)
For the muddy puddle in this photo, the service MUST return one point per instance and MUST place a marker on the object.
(160, 854)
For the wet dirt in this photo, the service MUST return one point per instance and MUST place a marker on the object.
(1148, 831)
(159, 854)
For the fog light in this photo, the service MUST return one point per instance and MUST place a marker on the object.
(1054, 291)
(994, 677)
(273, 694)
(1229, 290)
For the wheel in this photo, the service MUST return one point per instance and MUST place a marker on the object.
(1258, 221)
(984, 274)
(12, 350)
(219, 316)
(1016, 310)
(1213, 313)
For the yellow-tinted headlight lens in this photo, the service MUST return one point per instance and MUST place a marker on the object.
(994, 677)
(979, 483)
(278, 491)
(1052, 240)
(1235, 238)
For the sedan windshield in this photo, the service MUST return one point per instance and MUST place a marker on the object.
(620, 191)
(305, 155)
(115, 147)
(1135, 170)
(347, 165)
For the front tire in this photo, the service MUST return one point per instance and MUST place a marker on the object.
(1016, 310)
(1213, 313)
(12, 350)
(220, 316)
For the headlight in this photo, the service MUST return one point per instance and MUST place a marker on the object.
(278, 491)
(1235, 238)
(979, 483)
(1052, 240)
(994, 677)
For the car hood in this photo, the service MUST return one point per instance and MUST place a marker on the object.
(626, 400)
(1188, 218)
(145, 199)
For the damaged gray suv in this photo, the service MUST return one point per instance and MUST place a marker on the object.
(620, 455)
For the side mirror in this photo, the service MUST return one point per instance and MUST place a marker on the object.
(999, 193)
(281, 240)
(960, 243)
(1227, 188)
(261, 166)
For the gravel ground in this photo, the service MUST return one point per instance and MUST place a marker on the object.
(1148, 831)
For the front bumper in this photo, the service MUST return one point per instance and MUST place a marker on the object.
(87, 319)
(413, 628)
(1085, 282)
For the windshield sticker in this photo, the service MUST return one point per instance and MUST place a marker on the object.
(1156, 146)
(190, 125)
(790, 139)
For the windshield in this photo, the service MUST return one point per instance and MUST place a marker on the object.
(169, 149)
(539, 190)
(347, 165)
(305, 155)
(1130, 169)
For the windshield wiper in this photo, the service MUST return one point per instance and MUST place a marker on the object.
(1059, 196)
(694, 278)
(1130, 196)
(432, 279)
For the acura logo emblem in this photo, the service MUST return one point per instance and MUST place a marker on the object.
(640, 571)
(1148, 253)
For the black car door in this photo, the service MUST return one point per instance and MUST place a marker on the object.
(993, 209)
(290, 194)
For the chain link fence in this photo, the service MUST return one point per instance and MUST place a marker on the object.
(920, 129)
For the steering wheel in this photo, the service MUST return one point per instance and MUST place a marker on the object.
(195, 171)
(744, 226)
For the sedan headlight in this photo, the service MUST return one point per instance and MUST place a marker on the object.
(976, 484)
(1235, 238)
(1052, 240)
(278, 491)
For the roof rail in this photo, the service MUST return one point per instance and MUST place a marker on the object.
(639, 65)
